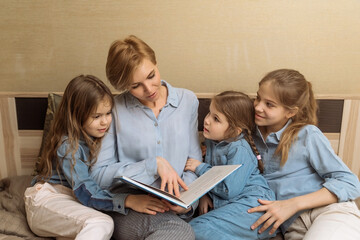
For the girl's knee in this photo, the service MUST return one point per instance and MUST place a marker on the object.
(103, 225)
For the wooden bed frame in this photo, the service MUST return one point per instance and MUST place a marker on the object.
(22, 118)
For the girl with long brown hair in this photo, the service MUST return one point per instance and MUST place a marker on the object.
(64, 199)
(313, 186)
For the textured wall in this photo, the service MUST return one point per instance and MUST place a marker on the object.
(206, 46)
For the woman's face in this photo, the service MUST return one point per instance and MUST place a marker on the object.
(146, 82)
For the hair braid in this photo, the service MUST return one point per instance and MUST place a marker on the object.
(250, 140)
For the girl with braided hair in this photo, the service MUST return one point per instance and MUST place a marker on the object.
(228, 129)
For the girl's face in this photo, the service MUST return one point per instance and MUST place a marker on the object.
(270, 114)
(98, 122)
(215, 125)
(146, 82)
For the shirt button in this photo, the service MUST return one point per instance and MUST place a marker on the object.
(119, 206)
(158, 142)
(156, 124)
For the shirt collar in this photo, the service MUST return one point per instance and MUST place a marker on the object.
(276, 134)
(172, 99)
(227, 141)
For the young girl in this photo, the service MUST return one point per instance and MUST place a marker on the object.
(61, 202)
(227, 129)
(314, 188)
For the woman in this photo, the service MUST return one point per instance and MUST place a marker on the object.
(154, 132)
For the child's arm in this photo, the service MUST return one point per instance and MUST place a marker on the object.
(205, 203)
(339, 183)
(145, 204)
(90, 194)
(234, 184)
(191, 164)
(278, 212)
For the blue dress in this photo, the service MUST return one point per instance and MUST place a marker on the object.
(235, 195)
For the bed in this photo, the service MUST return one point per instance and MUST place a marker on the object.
(25, 119)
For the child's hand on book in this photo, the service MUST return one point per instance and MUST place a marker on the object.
(191, 164)
(145, 204)
(177, 209)
(205, 203)
(169, 177)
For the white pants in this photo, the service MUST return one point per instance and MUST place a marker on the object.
(332, 222)
(53, 211)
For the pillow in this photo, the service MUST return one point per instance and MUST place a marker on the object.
(53, 103)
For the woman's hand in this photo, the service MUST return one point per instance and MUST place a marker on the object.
(145, 204)
(191, 164)
(205, 203)
(169, 177)
(276, 212)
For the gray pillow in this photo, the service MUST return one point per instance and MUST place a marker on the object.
(53, 103)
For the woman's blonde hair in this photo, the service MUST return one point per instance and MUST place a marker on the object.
(293, 92)
(81, 98)
(123, 58)
(239, 111)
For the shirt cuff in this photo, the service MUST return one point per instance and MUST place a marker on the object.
(119, 203)
(201, 169)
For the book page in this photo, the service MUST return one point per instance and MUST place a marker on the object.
(206, 182)
(197, 189)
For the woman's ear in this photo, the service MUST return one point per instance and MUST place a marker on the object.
(292, 112)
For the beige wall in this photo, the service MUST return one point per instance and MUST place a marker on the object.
(206, 46)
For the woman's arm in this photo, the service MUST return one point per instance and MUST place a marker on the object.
(108, 166)
(194, 143)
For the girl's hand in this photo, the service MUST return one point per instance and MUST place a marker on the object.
(191, 164)
(205, 203)
(145, 204)
(203, 149)
(176, 209)
(276, 212)
(169, 177)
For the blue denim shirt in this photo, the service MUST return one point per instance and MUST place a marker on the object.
(311, 165)
(86, 190)
(136, 137)
(244, 182)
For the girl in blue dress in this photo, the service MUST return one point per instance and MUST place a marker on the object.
(223, 211)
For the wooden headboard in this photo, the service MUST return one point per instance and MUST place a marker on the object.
(22, 117)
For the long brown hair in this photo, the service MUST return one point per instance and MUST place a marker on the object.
(81, 98)
(239, 111)
(123, 58)
(292, 91)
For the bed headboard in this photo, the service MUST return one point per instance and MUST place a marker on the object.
(22, 117)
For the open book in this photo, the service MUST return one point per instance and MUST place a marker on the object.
(196, 190)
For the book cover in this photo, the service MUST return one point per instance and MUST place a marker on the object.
(196, 190)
